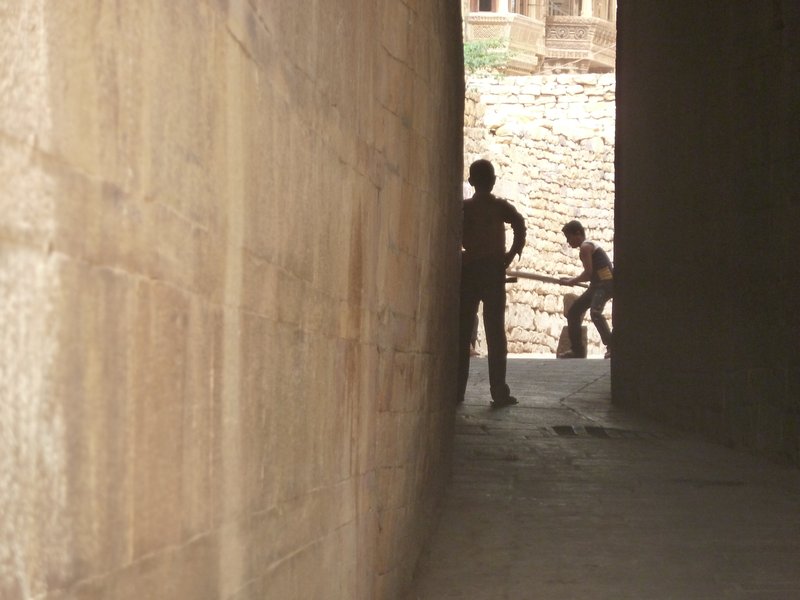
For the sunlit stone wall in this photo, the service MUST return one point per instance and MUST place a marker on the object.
(551, 139)
(228, 262)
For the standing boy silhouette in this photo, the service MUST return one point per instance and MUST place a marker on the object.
(483, 277)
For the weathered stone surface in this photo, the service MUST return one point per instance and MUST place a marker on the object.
(228, 263)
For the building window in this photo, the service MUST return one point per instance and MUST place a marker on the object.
(521, 7)
(485, 5)
(563, 7)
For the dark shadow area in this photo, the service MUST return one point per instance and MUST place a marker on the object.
(567, 496)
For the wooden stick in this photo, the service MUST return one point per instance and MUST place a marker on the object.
(537, 277)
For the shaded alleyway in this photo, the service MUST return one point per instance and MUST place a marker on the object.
(567, 497)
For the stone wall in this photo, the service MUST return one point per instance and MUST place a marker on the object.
(551, 139)
(707, 219)
(227, 277)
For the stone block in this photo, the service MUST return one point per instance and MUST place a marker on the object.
(563, 340)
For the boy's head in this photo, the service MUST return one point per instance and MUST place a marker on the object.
(481, 175)
(574, 233)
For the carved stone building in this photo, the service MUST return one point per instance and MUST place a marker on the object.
(544, 36)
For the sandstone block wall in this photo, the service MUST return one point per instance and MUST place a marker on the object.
(551, 139)
(706, 222)
(228, 256)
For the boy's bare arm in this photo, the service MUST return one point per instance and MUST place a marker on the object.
(517, 223)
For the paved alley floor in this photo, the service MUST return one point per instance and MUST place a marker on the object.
(566, 497)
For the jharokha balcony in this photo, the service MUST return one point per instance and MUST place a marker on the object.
(581, 44)
(559, 43)
(521, 36)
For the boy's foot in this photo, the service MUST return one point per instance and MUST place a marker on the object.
(569, 354)
(501, 402)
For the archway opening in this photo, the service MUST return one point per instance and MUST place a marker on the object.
(541, 105)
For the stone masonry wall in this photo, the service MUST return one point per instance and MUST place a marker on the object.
(551, 139)
(227, 278)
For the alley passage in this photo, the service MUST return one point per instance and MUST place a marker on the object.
(567, 497)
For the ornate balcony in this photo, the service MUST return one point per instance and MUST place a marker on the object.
(562, 43)
(523, 37)
(580, 44)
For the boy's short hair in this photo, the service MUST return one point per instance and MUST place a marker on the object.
(481, 172)
(573, 227)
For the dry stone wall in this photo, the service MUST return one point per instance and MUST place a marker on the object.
(551, 139)
(227, 279)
